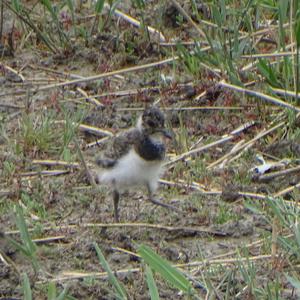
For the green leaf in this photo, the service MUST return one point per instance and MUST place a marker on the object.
(297, 28)
(274, 204)
(151, 284)
(120, 290)
(99, 6)
(22, 226)
(63, 294)
(268, 72)
(216, 15)
(18, 246)
(283, 6)
(26, 288)
(16, 4)
(297, 233)
(139, 3)
(48, 6)
(51, 295)
(293, 281)
(167, 271)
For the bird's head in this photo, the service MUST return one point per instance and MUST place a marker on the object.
(152, 122)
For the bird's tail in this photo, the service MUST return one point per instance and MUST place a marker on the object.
(106, 162)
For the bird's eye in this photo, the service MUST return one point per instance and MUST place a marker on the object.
(151, 123)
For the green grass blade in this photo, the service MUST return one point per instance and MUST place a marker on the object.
(282, 13)
(17, 5)
(28, 247)
(48, 6)
(26, 288)
(71, 7)
(297, 38)
(268, 72)
(297, 28)
(297, 233)
(293, 281)
(216, 15)
(167, 271)
(51, 294)
(274, 204)
(21, 224)
(18, 246)
(120, 290)
(63, 294)
(151, 284)
(99, 6)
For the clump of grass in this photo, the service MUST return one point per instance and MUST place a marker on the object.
(224, 214)
(37, 134)
(156, 263)
(28, 248)
(35, 203)
(41, 134)
(52, 293)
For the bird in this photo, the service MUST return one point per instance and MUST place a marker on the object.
(135, 157)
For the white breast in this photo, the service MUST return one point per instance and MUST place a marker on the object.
(132, 170)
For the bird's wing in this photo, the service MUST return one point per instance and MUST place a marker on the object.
(118, 147)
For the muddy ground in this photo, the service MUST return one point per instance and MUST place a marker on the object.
(213, 220)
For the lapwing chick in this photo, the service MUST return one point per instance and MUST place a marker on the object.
(135, 157)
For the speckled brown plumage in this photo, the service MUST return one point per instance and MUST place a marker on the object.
(139, 138)
(135, 157)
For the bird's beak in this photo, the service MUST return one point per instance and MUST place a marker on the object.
(166, 133)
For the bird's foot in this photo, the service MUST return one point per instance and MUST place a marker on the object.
(157, 202)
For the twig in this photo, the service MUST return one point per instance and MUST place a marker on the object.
(183, 184)
(229, 260)
(278, 173)
(87, 171)
(269, 55)
(60, 73)
(191, 108)
(107, 74)
(45, 173)
(188, 18)
(236, 146)
(33, 216)
(120, 93)
(125, 251)
(71, 275)
(14, 72)
(259, 136)
(196, 151)
(98, 142)
(49, 239)
(200, 188)
(88, 128)
(8, 261)
(10, 105)
(265, 97)
(91, 99)
(49, 162)
(285, 92)
(4, 193)
(287, 190)
(226, 138)
(95, 130)
(135, 22)
(125, 225)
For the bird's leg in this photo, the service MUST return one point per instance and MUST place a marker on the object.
(154, 201)
(116, 197)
